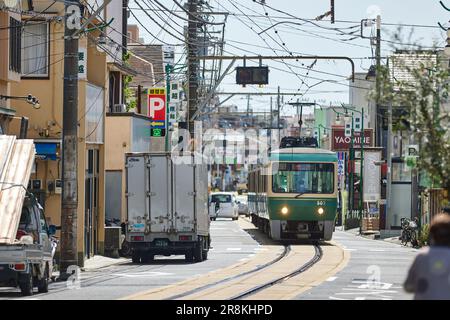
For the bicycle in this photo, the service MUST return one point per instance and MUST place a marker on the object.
(408, 233)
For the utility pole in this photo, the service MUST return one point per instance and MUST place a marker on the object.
(193, 62)
(271, 123)
(279, 110)
(69, 203)
(379, 118)
(389, 167)
(248, 105)
(361, 174)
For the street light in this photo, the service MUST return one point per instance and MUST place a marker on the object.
(30, 99)
(352, 156)
(361, 179)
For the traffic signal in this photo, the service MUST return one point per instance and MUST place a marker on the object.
(252, 75)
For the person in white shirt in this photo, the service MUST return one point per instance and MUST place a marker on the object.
(429, 275)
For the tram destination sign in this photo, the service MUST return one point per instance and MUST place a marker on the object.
(342, 143)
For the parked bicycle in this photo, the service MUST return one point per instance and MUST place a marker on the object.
(409, 232)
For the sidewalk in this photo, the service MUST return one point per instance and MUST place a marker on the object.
(99, 262)
(373, 236)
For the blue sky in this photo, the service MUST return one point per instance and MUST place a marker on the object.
(307, 39)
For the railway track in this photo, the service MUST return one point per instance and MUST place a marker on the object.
(284, 254)
(261, 287)
(317, 257)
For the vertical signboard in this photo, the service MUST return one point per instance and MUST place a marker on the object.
(82, 64)
(372, 175)
(157, 111)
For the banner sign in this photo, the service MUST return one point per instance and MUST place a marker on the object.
(342, 143)
(157, 107)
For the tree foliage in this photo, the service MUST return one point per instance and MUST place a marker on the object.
(422, 91)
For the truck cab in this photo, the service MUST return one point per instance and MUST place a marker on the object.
(28, 263)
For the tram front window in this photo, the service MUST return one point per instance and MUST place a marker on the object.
(303, 178)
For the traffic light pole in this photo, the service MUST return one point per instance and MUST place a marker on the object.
(361, 177)
(352, 169)
(168, 72)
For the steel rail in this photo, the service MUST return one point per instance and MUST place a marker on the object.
(317, 257)
(284, 254)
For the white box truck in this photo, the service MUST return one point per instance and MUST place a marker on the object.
(167, 206)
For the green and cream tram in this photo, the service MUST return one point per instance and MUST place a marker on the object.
(294, 196)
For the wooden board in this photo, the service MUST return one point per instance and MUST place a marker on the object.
(15, 176)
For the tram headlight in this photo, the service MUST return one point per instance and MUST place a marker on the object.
(320, 211)
(284, 211)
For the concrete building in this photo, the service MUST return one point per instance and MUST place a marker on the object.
(10, 62)
(100, 89)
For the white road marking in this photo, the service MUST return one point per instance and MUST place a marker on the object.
(377, 250)
(331, 279)
(142, 274)
(234, 249)
(260, 249)
(334, 298)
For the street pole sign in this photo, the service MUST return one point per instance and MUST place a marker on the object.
(358, 124)
(157, 111)
(348, 127)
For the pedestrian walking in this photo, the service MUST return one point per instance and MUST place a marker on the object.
(429, 276)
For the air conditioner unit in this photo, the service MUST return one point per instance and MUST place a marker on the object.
(119, 108)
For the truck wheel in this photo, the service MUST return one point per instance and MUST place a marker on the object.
(205, 255)
(198, 251)
(136, 258)
(189, 256)
(26, 284)
(147, 258)
(43, 283)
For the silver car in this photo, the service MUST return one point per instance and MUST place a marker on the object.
(242, 205)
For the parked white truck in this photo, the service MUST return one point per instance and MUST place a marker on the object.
(167, 206)
(28, 262)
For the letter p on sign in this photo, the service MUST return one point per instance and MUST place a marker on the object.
(156, 104)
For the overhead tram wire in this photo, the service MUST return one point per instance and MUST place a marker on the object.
(323, 21)
(265, 41)
(166, 22)
(120, 45)
(290, 52)
(328, 28)
(163, 27)
(195, 18)
(296, 74)
(150, 33)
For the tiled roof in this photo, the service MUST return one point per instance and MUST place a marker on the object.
(152, 54)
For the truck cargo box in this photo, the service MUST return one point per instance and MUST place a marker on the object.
(167, 204)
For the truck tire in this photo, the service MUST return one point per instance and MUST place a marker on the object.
(43, 283)
(205, 255)
(136, 257)
(198, 250)
(146, 258)
(189, 256)
(26, 284)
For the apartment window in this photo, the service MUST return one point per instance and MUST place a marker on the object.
(15, 45)
(35, 48)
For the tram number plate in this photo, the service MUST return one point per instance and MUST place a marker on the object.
(320, 203)
(161, 243)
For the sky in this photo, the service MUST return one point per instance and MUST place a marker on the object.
(310, 84)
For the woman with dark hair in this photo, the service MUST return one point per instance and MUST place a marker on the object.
(429, 276)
